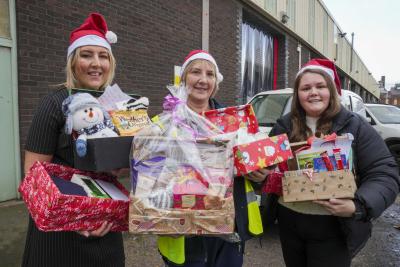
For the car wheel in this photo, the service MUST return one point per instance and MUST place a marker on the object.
(395, 150)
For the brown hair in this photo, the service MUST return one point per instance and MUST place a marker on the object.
(190, 66)
(300, 130)
(71, 81)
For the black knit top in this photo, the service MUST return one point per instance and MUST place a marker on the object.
(46, 136)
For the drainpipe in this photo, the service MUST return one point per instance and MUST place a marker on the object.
(299, 51)
(351, 55)
(205, 33)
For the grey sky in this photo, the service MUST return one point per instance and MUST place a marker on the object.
(376, 27)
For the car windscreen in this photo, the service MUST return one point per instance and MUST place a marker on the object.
(269, 108)
(386, 114)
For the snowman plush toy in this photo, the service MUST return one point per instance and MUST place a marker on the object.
(85, 116)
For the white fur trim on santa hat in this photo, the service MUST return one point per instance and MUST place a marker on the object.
(313, 67)
(204, 56)
(88, 40)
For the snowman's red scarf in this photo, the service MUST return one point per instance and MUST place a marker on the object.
(97, 128)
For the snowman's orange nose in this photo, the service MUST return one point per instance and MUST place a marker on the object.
(90, 114)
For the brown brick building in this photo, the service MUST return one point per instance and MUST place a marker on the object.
(153, 36)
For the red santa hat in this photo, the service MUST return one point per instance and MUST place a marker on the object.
(325, 65)
(201, 54)
(93, 31)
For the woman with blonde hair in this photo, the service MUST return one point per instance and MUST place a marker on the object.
(200, 76)
(90, 65)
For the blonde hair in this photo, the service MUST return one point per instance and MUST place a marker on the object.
(72, 82)
(300, 131)
(190, 66)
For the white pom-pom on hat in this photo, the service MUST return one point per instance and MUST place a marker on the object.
(111, 37)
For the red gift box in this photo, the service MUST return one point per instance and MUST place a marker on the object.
(230, 119)
(260, 154)
(53, 211)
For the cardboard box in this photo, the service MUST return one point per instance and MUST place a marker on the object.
(297, 186)
(52, 210)
(105, 154)
(315, 183)
(262, 153)
(230, 119)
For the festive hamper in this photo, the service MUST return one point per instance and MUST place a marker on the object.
(181, 187)
(310, 180)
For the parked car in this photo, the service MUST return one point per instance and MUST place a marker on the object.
(271, 105)
(386, 120)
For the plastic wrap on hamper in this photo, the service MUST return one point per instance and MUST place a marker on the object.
(182, 174)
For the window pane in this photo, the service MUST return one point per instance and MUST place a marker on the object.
(4, 19)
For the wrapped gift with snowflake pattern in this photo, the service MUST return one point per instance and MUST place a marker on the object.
(262, 153)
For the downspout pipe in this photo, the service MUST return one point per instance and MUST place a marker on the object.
(205, 29)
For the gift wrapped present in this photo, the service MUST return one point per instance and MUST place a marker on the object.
(53, 210)
(230, 119)
(261, 153)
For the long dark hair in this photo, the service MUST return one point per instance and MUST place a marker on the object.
(300, 130)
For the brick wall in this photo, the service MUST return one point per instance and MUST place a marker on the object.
(282, 78)
(225, 30)
(153, 36)
(292, 59)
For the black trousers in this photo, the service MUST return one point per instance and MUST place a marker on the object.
(311, 240)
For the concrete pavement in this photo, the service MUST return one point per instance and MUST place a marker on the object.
(139, 250)
(383, 249)
(13, 225)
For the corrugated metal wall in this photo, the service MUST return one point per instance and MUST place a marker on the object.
(310, 20)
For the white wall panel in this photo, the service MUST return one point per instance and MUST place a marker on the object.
(310, 21)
